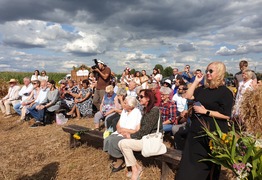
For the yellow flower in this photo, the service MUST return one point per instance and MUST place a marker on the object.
(106, 134)
(76, 136)
(224, 136)
(211, 144)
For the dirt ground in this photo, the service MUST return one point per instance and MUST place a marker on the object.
(43, 153)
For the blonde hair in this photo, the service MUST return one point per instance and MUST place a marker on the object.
(109, 89)
(121, 91)
(249, 73)
(251, 110)
(219, 80)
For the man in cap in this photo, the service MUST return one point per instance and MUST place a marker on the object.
(103, 80)
(11, 98)
(168, 84)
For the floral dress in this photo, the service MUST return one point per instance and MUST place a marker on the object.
(69, 99)
(85, 107)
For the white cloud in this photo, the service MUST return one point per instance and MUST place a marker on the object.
(251, 47)
(18, 53)
(5, 65)
(87, 43)
(225, 51)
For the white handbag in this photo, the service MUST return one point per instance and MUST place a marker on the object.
(153, 143)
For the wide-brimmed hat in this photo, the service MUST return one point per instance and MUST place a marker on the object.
(109, 89)
(13, 81)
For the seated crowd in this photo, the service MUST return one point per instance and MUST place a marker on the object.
(130, 109)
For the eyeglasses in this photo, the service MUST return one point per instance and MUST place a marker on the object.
(34, 83)
(141, 96)
(210, 71)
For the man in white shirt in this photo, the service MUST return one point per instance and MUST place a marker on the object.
(40, 98)
(180, 130)
(181, 102)
(24, 93)
(11, 98)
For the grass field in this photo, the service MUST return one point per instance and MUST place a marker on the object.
(6, 76)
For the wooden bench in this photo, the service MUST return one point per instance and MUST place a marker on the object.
(171, 158)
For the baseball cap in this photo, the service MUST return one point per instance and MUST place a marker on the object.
(168, 81)
(99, 61)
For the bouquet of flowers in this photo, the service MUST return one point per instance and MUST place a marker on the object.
(238, 151)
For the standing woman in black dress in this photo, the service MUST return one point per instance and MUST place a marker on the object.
(214, 101)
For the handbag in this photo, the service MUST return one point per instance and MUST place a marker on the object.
(153, 143)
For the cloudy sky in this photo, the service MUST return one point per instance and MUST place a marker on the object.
(56, 35)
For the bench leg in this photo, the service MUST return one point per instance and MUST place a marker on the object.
(165, 171)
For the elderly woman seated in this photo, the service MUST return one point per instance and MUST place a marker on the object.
(129, 122)
(83, 101)
(111, 121)
(148, 125)
(107, 104)
(50, 104)
(68, 94)
(167, 109)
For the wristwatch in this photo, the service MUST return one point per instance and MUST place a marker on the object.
(208, 113)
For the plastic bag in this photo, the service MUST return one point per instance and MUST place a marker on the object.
(61, 119)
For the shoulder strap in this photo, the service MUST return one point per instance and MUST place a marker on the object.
(158, 123)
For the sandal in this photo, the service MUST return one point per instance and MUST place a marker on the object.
(122, 166)
(140, 172)
(129, 174)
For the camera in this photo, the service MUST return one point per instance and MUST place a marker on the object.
(66, 88)
(96, 64)
(96, 74)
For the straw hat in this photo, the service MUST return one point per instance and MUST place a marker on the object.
(13, 81)
(109, 89)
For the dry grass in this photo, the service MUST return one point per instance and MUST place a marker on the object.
(251, 110)
(3, 88)
(43, 153)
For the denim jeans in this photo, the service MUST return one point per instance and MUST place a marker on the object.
(37, 114)
(17, 108)
(167, 127)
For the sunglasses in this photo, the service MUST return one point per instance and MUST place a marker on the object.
(210, 71)
(141, 96)
(34, 83)
(180, 89)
